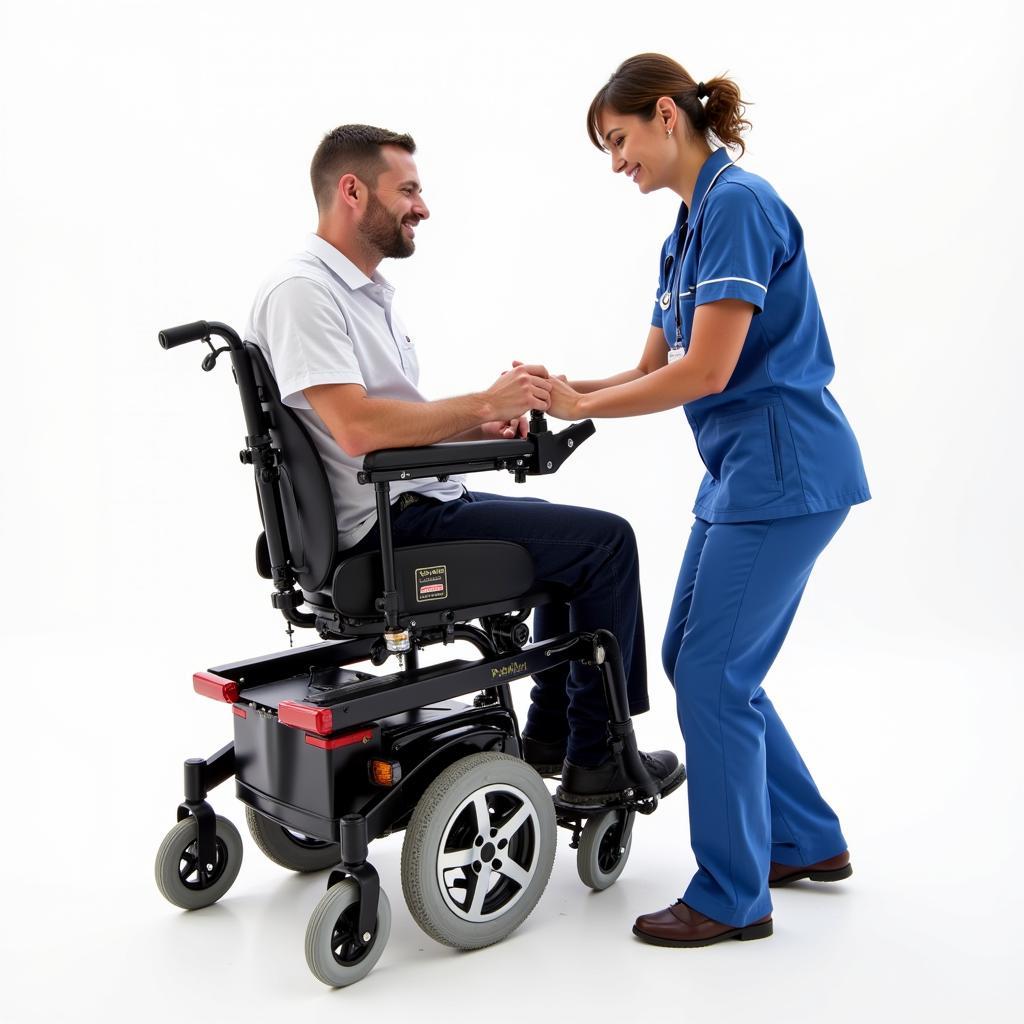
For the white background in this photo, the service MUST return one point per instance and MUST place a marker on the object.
(154, 167)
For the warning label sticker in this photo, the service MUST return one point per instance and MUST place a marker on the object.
(432, 583)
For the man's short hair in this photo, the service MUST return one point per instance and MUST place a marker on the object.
(351, 149)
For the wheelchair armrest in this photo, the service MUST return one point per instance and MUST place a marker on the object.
(534, 455)
(443, 459)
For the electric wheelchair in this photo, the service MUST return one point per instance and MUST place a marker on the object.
(326, 757)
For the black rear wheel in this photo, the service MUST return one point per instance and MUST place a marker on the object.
(293, 850)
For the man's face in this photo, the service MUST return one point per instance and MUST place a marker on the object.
(394, 207)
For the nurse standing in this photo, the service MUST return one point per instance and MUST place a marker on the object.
(738, 341)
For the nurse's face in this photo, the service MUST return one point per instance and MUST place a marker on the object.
(640, 149)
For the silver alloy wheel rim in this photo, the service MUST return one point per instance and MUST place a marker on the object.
(509, 829)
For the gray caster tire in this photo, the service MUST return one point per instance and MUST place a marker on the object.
(330, 950)
(478, 850)
(188, 884)
(604, 848)
(290, 849)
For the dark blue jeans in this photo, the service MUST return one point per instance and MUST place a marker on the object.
(592, 553)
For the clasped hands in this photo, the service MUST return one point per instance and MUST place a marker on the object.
(526, 387)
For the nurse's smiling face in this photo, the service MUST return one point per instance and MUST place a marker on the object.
(641, 149)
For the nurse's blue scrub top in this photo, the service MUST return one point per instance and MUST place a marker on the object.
(775, 442)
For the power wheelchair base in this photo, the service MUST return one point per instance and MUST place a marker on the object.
(321, 778)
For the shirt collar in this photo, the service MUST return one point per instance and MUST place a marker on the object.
(709, 172)
(343, 266)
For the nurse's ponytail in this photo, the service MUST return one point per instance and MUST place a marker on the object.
(713, 108)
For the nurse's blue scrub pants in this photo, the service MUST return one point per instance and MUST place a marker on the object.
(751, 797)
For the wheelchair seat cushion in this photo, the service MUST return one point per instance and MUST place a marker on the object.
(435, 577)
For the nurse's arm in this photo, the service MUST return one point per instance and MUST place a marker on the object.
(719, 330)
(655, 356)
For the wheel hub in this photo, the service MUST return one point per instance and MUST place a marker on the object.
(489, 852)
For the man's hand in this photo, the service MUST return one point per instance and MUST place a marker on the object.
(517, 391)
(567, 397)
(559, 376)
(505, 430)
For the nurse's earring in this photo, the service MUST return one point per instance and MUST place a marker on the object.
(668, 133)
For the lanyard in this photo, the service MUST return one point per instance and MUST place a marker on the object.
(687, 242)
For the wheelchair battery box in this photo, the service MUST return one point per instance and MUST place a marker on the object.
(301, 762)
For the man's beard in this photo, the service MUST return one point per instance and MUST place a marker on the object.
(383, 233)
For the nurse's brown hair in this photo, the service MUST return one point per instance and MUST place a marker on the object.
(638, 83)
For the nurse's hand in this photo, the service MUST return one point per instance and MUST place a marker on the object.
(565, 401)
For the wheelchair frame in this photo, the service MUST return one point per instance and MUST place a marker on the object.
(337, 708)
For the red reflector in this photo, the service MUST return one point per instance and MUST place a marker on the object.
(305, 716)
(241, 712)
(363, 736)
(206, 684)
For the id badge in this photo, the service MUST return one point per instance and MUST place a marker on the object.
(676, 353)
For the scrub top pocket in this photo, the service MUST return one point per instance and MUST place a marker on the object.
(740, 453)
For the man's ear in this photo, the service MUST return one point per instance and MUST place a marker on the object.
(350, 190)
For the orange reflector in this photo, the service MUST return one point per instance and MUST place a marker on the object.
(305, 716)
(241, 712)
(385, 773)
(206, 684)
(345, 740)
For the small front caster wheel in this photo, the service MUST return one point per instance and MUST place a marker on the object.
(180, 876)
(334, 951)
(604, 848)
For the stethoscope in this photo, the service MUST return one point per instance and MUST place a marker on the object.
(666, 299)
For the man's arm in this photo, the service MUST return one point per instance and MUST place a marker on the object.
(362, 424)
(498, 430)
(473, 434)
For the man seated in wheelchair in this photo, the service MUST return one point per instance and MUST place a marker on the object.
(348, 367)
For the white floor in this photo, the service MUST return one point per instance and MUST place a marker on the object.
(916, 753)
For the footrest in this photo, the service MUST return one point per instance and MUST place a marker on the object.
(599, 804)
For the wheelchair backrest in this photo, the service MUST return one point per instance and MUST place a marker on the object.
(302, 495)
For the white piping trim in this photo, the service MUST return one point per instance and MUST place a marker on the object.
(700, 205)
(689, 291)
(745, 280)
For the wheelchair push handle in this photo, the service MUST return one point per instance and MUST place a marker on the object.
(172, 337)
(201, 330)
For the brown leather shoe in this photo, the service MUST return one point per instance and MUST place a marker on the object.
(832, 870)
(680, 925)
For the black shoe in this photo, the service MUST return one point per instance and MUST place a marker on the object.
(544, 758)
(607, 783)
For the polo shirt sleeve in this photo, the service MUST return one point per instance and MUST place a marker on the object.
(740, 249)
(309, 340)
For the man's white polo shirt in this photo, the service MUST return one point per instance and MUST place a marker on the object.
(320, 320)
